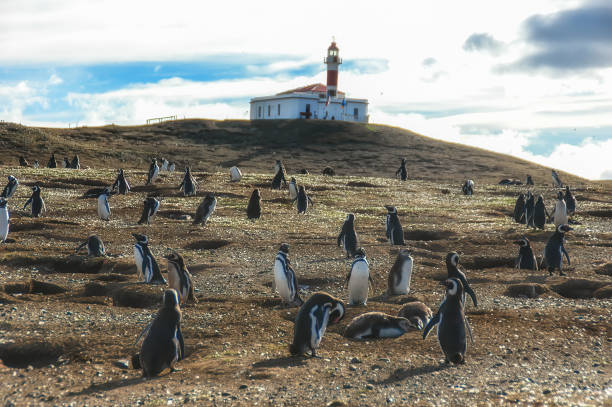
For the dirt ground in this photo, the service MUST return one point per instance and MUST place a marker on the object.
(68, 323)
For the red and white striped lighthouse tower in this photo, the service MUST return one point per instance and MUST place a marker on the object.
(332, 61)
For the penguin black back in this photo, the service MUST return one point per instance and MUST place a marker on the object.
(189, 184)
(150, 207)
(540, 214)
(555, 250)
(205, 209)
(529, 209)
(526, 259)
(76, 163)
(348, 236)
(519, 209)
(402, 171)
(38, 204)
(52, 163)
(302, 200)
(254, 207)
(279, 176)
(570, 201)
(452, 267)
(395, 232)
(121, 183)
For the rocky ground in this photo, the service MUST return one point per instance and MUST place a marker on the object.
(68, 323)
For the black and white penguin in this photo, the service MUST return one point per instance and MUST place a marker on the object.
(311, 322)
(104, 211)
(148, 270)
(285, 281)
(400, 274)
(417, 313)
(468, 187)
(163, 344)
(452, 267)
(556, 180)
(235, 174)
(519, 209)
(555, 250)
(171, 167)
(95, 246)
(205, 210)
(76, 163)
(372, 325)
(279, 175)
(402, 172)
(153, 171)
(149, 209)
(38, 204)
(540, 214)
(52, 163)
(23, 162)
(164, 164)
(348, 236)
(529, 209)
(121, 184)
(359, 279)
(570, 201)
(35, 165)
(395, 232)
(302, 200)
(10, 187)
(526, 259)
(559, 213)
(189, 184)
(66, 163)
(254, 208)
(451, 323)
(179, 278)
(529, 180)
(4, 220)
(293, 189)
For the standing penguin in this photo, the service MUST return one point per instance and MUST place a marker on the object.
(555, 250)
(451, 323)
(529, 180)
(395, 232)
(38, 204)
(285, 281)
(23, 162)
(35, 165)
(452, 267)
(164, 166)
(76, 163)
(153, 171)
(559, 213)
(254, 208)
(416, 312)
(104, 211)
(95, 246)
(556, 180)
(205, 210)
(540, 214)
(171, 167)
(302, 200)
(372, 325)
(312, 320)
(402, 171)
(348, 236)
(293, 189)
(468, 187)
(235, 174)
(147, 267)
(529, 209)
(163, 344)
(519, 209)
(66, 163)
(121, 183)
(189, 184)
(358, 279)
(150, 207)
(4, 220)
(179, 278)
(570, 201)
(52, 163)
(526, 259)
(279, 175)
(400, 274)
(10, 187)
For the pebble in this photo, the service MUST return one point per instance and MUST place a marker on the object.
(369, 386)
(355, 360)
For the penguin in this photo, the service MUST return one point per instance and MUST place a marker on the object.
(66, 163)
(104, 211)
(358, 279)
(147, 267)
(163, 344)
(417, 313)
(279, 175)
(556, 180)
(468, 187)
(452, 267)
(559, 213)
(35, 165)
(526, 259)
(555, 250)
(52, 163)
(10, 187)
(254, 208)
(4, 220)
(529, 209)
(205, 210)
(76, 163)
(506, 181)
(95, 246)
(180, 278)
(121, 184)
(151, 205)
(395, 233)
(372, 325)
(540, 214)
(153, 172)
(451, 322)
(348, 236)
(164, 166)
(400, 274)
(23, 162)
(293, 189)
(189, 184)
(311, 322)
(302, 200)
(38, 204)
(285, 281)
(529, 180)
(519, 209)
(235, 174)
(402, 171)
(570, 201)
(171, 167)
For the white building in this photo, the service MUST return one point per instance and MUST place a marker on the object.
(318, 101)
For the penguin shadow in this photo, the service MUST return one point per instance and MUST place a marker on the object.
(402, 374)
(285, 361)
(111, 385)
(396, 299)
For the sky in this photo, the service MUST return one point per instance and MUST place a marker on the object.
(528, 78)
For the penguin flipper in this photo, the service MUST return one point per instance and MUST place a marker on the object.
(29, 201)
(472, 295)
(517, 262)
(432, 322)
(144, 332)
(80, 247)
(179, 336)
(339, 236)
(566, 255)
(468, 328)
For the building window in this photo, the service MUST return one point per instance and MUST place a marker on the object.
(268, 110)
(356, 113)
(259, 112)
(278, 109)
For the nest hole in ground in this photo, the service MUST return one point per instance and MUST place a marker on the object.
(362, 184)
(36, 354)
(526, 290)
(133, 295)
(487, 262)
(174, 214)
(33, 287)
(207, 244)
(602, 213)
(72, 264)
(583, 288)
(421, 234)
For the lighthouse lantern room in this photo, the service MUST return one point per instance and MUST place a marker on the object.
(332, 61)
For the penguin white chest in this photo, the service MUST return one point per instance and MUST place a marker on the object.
(283, 285)
(293, 190)
(403, 285)
(103, 208)
(138, 258)
(210, 211)
(235, 174)
(560, 213)
(358, 283)
(174, 281)
(4, 223)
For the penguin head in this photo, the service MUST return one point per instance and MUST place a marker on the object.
(256, 193)
(540, 199)
(210, 196)
(405, 253)
(559, 195)
(564, 228)
(415, 322)
(106, 191)
(337, 311)
(293, 180)
(405, 324)
(120, 171)
(403, 161)
(350, 217)
(391, 209)
(171, 298)
(521, 196)
(177, 259)
(301, 188)
(11, 178)
(284, 247)
(453, 287)
(567, 190)
(36, 188)
(359, 252)
(2, 203)
(141, 238)
(452, 259)
(523, 242)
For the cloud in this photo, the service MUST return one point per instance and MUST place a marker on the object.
(366, 66)
(427, 62)
(483, 42)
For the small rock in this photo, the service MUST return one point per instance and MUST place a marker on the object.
(546, 391)
(376, 367)
(355, 360)
(122, 364)
(369, 386)
(352, 368)
(347, 386)
(225, 394)
(243, 386)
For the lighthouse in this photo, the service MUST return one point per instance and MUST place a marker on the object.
(332, 60)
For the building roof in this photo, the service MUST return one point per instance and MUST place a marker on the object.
(314, 88)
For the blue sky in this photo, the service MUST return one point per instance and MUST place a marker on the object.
(531, 79)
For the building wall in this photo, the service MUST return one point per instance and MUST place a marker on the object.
(290, 108)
